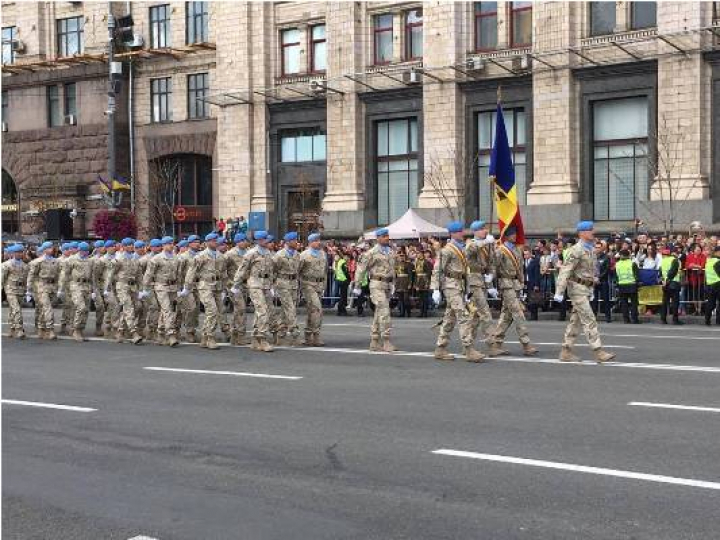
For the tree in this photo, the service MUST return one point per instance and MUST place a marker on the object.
(438, 175)
(163, 186)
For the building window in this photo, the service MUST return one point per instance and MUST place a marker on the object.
(290, 39)
(383, 30)
(5, 105)
(198, 87)
(70, 36)
(620, 166)
(515, 126)
(196, 22)
(643, 15)
(300, 145)
(397, 168)
(54, 114)
(602, 18)
(485, 26)
(520, 24)
(9, 34)
(69, 99)
(414, 34)
(160, 93)
(160, 26)
(318, 48)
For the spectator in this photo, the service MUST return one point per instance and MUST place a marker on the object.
(532, 282)
(602, 287)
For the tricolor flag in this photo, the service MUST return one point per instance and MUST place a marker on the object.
(502, 174)
(120, 184)
(103, 184)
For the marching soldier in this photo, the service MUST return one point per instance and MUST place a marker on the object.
(450, 275)
(480, 252)
(379, 264)
(421, 282)
(222, 249)
(78, 285)
(69, 249)
(125, 275)
(43, 274)
(149, 310)
(112, 320)
(99, 270)
(256, 270)
(312, 272)
(286, 262)
(207, 273)
(712, 287)
(188, 307)
(14, 278)
(403, 276)
(233, 258)
(577, 276)
(161, 276)
(510, 275)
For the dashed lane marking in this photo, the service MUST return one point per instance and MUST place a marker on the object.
(47, 405)
(231, 373)
(674, 406)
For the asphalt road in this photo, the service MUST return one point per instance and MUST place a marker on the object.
(346, 447)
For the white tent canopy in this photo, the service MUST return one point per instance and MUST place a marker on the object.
(410, 226)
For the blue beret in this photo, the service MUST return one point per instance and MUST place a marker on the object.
(270, 238)
(382, 232)
(166, 240)
(64, 246)
(155, 243)
(289, 237)
(455, 226)
(98, 244)
(477, 225)
(585, 226)
(211, 236)
(183, 243)
(313, 237)
(83, 246)
(127, 242)
(15, 248)
(260, 235)
(72, 245)
(139, 244)
(221, 240)
(193, 238)
(45, 245)
(240, 237)
(109, 243)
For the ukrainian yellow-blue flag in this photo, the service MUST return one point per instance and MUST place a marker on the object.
(502, 174)
(120, 184)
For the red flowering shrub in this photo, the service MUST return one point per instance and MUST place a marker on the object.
(115, 224)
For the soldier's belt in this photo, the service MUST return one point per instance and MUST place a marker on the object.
(263, 276)
(130, 282)
(17, 282)
(312, 280)
(48, 281)
(381, 278)
(455, 275)
(81, 281)
(172, 282)
(421, 275)
(581, 281)
(288, 276)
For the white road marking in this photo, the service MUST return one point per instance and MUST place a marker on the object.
(672, 406)
(141, 537)
(233, 373)
(664, 337)
(583, 469)
(47, 405)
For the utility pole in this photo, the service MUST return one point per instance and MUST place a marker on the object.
(111, 104)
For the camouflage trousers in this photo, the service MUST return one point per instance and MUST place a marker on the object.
(455, 312)
(582, 316)
(381, 324)
(167, 314)
(313, 306)
(189, 312)
(113, 317)
(68, 311)
(128, 304)
(237, 323)
(148, 312)
(482, 316)
(43, 302)
(287, 313)
(80, 299)
(99, 310)
(512, 312)
(213, 305)
(262, 301)
(15, 310)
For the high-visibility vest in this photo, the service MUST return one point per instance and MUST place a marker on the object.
(624, 271)
(666, 265)
(711, 276)
(339, 273)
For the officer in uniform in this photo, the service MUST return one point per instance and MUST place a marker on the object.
(286, 263)
(403, 277)
(14, 278)
(379, 265)
(509, 268)
(256, 271)
(149, 309)
(671, 275)
(43, 274)
(577, 277)
(99, 300)
(450, 275)
(712, 286)
(69, 249)
(208, 274)
(233, 258)
(421, 282)
(188, 307)
(77, 283)
(480, 252)
(312, 273)
(125, 275)
(628, 276)
(160, 279)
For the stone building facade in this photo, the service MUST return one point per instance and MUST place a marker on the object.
(342, 115)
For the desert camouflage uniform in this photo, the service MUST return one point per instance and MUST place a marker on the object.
(188, 306)
(14, 279)
(77, 282)
(312, 272)
(43, 274)
(379, 265)
(256, 271)
(449, 275)
(148, 312)
(510, 274)
(161, 279)
(124, 273)
(285, 267)
(233, 258)
(481, 261)
(206, 271)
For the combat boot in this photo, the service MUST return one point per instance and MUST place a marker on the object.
(99, 331)
(473, 355)
(63, 329)
(160, 339)
(172, 341)
(50, 334)
(136, 338)
(317, 342)
(602, 356)
(566, 355)
(20, 334)
(496, 350)
(375, 344)
(41, 333)
(309, 340)
(203, 342)
(441, 353)
(255, 344)
(211, 343)
(118, 336)
(190, 337)
(388, 347)
(243, 339)
(529, 350)
(265, 346)
(227, 336)
(282, 341)
(77, 335)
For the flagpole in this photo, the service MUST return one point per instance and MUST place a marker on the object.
(492, 180)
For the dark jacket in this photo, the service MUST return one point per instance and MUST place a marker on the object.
(532, 272)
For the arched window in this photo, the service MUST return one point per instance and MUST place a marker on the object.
(10, 205)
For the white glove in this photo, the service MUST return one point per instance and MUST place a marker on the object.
(106, 292)
(493, 292)
(184, 292)
(272, 293)
(437, 297)
(223, 296)
(592, 296)
(93, 296)
(488, 278)
(60, 295)
(392, 289)
(143, 294)
(558, 298)
(28, 297)
(357, 291)
(235, 291)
